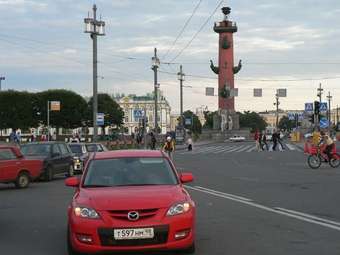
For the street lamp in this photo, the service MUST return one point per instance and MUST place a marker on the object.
(155, 62)
(95, 28)
(1, 79)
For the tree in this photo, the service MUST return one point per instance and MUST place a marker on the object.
(73, 108)
(113, 113)
(252, 120)
(286, 124)
(17, 110)
(209, 119)
(196, 126)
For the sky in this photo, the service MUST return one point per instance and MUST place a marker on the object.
(291, 44)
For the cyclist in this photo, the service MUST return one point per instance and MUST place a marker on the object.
(169, 146)
(329, 143)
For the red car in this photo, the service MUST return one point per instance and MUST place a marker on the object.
(130, 201)
(15, 168)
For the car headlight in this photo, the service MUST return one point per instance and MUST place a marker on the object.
(86, 212)
(178, 208)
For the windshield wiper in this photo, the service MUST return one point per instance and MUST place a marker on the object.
(96, 186)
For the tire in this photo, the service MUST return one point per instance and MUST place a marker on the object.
(335, 162)
(70, 171)
(70, 250)
(22, 181)
(190, 250)
(314, 161)
(48, 176)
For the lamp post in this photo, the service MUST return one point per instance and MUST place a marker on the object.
(2, 78)
(277, 103)
(155, 66)
(95, 28)
(329, 97)
(181, 76)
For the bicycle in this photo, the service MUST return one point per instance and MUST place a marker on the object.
(317, 157)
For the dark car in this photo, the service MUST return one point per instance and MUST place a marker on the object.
(95, 147)
(57, 156)
(80, 155)
(15, 168)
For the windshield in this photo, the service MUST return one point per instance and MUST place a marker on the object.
(91, 147)
(76, 148)
(35, 149)
(130, 171)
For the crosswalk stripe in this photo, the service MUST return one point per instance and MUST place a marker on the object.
(252, 148)
(235, 149)
(226, 149)
(245, 148)
(211, 149)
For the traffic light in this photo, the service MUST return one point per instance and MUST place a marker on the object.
(316, 107)
(311, 119)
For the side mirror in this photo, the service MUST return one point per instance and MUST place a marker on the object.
(72, 182)
(186, 177)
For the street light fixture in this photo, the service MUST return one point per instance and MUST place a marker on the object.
(95, 28)
(1, 79)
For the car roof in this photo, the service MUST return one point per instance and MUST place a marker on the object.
(35, 143)
(129, 154)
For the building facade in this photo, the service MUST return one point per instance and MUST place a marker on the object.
(135, 107)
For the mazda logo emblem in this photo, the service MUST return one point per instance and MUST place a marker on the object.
(133, 215)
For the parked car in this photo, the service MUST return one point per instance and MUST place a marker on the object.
(237, 138)
(95, 147)
(57, 156)
(15, 168)
(130, 200)
(80, 155)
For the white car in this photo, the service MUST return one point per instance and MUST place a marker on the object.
(237, 138)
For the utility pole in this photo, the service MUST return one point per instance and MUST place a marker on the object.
(48, 120)
(2, 78)
(329, 97)
(95, 28)
(155, 65)
(277, 103)
(181, 79)
(320, 90)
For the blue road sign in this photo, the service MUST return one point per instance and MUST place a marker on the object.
(100, 119)
(188, 121)
(291, 116)
(324, 123)
(309, 107)
(323, 107)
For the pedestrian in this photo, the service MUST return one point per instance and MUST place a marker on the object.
(153, 141)
(169, 147)
(17, 137)
(12, 136)
(274, 139)
(278, 135)
(264, 140)
(256, 138)
(260, 141)
(189, 143)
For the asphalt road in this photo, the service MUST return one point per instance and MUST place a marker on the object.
(248, 203)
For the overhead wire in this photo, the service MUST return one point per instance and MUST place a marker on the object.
(183, 28)
(196, 34)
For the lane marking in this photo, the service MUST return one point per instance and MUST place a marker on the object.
(281, 211)
(224, 149)
(244, 148)
(252, 148)
(290, 147)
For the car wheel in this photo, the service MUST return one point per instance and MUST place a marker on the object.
(70, 171)
(70, 250)
(191, 249)
(22, 181)
(49, 174)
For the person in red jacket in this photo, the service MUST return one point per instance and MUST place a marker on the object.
(256, 138)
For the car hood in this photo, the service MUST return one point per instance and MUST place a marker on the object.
(132, 197)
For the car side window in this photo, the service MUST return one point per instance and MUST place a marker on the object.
(7, 154)
(99, 148)
(63, 149)
(55, 149)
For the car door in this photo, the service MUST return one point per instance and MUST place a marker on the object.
(57, 160)
(66, 156)
(8, 164)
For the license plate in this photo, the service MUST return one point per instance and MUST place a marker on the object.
(133, 233)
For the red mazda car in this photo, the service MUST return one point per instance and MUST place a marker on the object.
(130, 201)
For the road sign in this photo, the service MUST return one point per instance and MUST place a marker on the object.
(100, 119)
(209, 91)
(55, 106)
(309, 107)
(291, 116)
(138, 114)
(257, 92)
(188, 121)
(323, 107)
(281, 92)
(324, 123)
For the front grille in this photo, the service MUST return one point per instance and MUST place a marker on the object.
(106, 236)
(123, 214)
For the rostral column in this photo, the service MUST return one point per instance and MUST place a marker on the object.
(226, 71)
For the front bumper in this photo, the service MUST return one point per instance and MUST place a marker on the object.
(101, 233)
